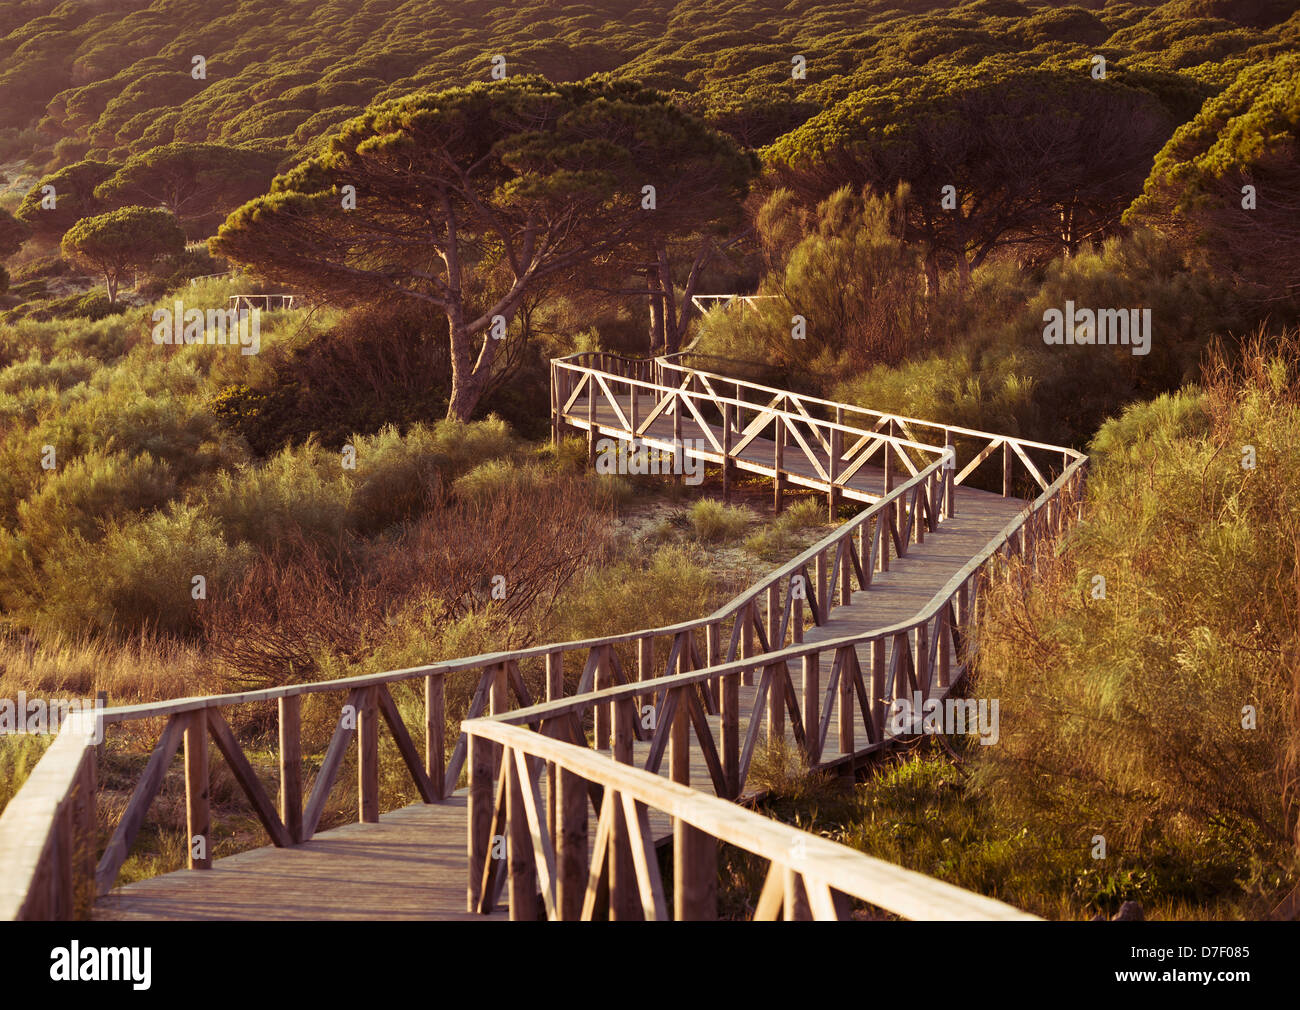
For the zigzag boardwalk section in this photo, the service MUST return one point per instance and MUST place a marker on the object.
(641, 739)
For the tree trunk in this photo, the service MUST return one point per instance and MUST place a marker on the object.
(932, 274)
(110, 281)
(657, 306)
(466, 381)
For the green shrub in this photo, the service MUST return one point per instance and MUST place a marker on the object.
(396, 476)
(61, 372)
(91, 490)
(139, 576)
(303, 490)
(714, 522)
(803, 515)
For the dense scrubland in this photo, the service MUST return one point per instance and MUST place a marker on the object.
(1171, 182)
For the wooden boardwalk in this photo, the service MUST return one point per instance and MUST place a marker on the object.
(412, 864)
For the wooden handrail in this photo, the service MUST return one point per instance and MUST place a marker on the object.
(823, 866)
(47, 830)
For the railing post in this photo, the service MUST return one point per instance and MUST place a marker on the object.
(885, 522)
(482, 759)
(812, 706)
(823, 607)
(554, 692)
(924, 674)
(291, 766)
(920, 515)
(773, 616)
(645, 662)
(879, 703)
(795, 906)
(368, 757)
(949, 476)
(942, 628)
(729, 705)
(695, 873)
(623, 903)
(796, 616)
(435, 745)
(727, 410)
(198, 816)
(85, 827)
(679, 450)
(556, 404)
(833, 466)
(1006, 468)
(591, 420)
(713, 652)
(748, 615)
(571, 845)
(522, 873)
(604, 679)
(776, 703)
(778, 464)
(846, 569)
(846, 699)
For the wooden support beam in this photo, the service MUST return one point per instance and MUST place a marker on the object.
(344, 731)
(571, 842)
(368, 757)
(778, 464)
(198, 783)
(258, 797)
(695, 873)
(522, 869)
(291, 766)
(482, 758)
(812, 706)
(623, 904)
(119, 846)
(554, 692)
(435, 744)
(405, 745)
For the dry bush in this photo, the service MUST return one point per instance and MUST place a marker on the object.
(304, 605)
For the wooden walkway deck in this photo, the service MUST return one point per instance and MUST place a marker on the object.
(412, 865)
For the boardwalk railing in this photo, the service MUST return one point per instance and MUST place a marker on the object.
(548, 872)
(913, 656)
(46, 858)
(594, 672)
